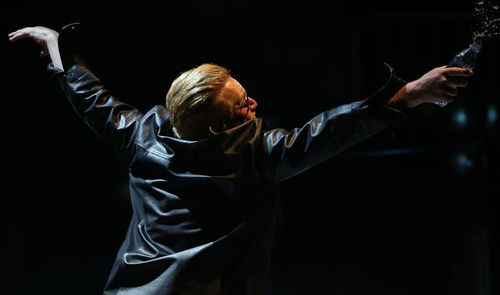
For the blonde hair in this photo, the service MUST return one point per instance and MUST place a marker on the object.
(191, 97)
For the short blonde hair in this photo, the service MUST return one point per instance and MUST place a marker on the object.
(191, 97)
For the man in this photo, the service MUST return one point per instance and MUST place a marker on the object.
(204, 172)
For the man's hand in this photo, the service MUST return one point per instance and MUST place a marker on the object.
(438, 85)
(45, 37)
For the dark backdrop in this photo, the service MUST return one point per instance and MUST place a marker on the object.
(410, 211)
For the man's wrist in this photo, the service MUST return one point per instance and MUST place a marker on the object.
(399, 100)
(52, 39)
(53, 48)
(406, 97)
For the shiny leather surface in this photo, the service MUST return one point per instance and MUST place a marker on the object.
(204, 211)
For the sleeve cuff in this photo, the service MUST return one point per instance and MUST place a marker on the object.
(377, 102)
(380, 97)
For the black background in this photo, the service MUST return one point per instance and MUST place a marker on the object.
(406, 212)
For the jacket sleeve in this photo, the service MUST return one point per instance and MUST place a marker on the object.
(289, 153)
(114, 121)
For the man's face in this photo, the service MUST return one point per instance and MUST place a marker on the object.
(244, 106)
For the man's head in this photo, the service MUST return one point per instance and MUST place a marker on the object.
(205, 100)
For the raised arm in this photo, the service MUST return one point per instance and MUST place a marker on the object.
(112, 120)
(45, 37)
(331, 132)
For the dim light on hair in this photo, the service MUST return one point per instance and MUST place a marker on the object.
(191, 99)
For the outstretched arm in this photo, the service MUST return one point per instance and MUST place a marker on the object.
(45, 37)
(291, 152)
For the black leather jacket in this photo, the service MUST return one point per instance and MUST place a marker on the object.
(204, 211)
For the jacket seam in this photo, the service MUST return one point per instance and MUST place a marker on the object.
(139, 144)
